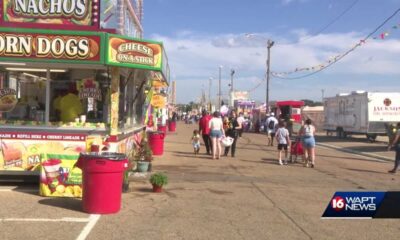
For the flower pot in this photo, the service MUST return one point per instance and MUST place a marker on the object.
(142, 166)
(157, 189)
(150, 167)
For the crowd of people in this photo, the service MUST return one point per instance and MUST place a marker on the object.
(214, 129)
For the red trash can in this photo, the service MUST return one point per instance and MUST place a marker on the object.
(172, 126)
(162, 128)
(156, 142)
(102, 177)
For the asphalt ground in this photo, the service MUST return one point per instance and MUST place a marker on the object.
(246, 197)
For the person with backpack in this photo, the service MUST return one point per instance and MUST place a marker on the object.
(272, 123)
(307, 133)
(282, 137)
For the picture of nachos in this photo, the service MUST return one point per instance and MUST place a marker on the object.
(8, 102)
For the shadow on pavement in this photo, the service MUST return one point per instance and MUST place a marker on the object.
(367, 148)
(366, 171)
(143, 189)
(348, 139)
(331, 156)
(28, 189)
(66, 203)
(191, 155)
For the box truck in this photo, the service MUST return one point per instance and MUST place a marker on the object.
(360, 112)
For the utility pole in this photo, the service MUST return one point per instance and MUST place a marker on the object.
(269, 45)
(219, 89)
(209, 93)
(231, 95)
(323, 93)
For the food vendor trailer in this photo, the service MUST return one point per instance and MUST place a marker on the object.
(290, 111)
(64, 90)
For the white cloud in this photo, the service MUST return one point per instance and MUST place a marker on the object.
(287, 2)
(195, 57)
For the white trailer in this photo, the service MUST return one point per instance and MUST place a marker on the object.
(361, 112)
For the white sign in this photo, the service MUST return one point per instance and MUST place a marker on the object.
(240, 95)
(384, 107)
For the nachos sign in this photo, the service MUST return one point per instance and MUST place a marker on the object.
(65, 14)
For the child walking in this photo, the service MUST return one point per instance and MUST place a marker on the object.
(196, 141)
(282, 136)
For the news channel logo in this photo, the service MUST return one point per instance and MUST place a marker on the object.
(366, 205)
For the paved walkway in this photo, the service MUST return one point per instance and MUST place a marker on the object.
(247, 197)
(250, 196)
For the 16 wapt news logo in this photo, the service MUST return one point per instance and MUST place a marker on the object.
(363, 205)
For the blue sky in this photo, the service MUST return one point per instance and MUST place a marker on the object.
(200, 35)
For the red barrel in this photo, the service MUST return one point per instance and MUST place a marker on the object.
(162, 128)
(156, 142)
(172, 126)
(102, 181)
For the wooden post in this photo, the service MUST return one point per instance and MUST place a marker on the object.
(114, 100)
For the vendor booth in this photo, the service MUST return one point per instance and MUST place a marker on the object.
(68, 86)
(290, 111)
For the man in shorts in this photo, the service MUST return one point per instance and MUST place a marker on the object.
(282, 137)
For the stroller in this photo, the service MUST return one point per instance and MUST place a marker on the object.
(296, 149)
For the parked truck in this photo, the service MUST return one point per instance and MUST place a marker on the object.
(360, 112)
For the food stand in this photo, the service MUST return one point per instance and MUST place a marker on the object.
(73, 89)
(290, 111)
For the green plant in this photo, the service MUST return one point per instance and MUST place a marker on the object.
(159, 179)
(143, 151)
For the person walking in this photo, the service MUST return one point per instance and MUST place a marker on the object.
(216, 133)
(307, 133)
(240, 120)
(272, 124)
(233, 131)
(396, 143)
(283, 139)
(204, 130)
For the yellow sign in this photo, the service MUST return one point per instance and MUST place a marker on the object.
(158, 101)
(134, 53)
(159, 84)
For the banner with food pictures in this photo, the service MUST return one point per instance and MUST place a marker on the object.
(65, 14)
(59, 177)
(55, 46)
(133, 53)
(24, 151)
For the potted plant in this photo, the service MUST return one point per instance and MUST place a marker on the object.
(158, 180)
(143, 156)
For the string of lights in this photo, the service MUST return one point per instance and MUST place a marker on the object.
(337, 58)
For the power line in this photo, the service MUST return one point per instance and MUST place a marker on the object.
(257, 85)
(330, 23)
(346, 53)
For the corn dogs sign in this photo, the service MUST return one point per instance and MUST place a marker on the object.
(133, 53)
(66, 14)
(50, 46)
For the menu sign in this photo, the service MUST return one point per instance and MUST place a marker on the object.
(158, 101)
(133, 53)
(8, 99)
(61, 13)
(58, 46)
(89, 88)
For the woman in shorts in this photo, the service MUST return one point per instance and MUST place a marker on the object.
(307, 133)
(216, 133)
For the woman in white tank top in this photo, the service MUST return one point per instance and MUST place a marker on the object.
(216, 132)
